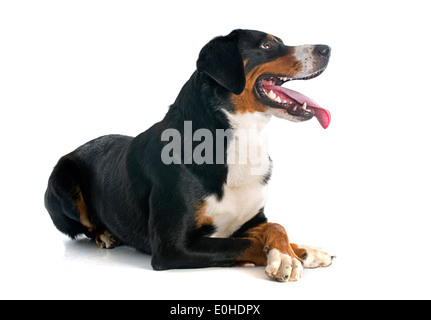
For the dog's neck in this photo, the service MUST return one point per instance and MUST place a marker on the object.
(200, 101)
(198, 98)
(248, 121)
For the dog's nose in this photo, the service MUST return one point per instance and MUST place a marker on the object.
(322, 50)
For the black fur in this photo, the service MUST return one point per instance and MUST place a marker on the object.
(222, 61)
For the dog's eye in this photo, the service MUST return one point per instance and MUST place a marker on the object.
(266, 45)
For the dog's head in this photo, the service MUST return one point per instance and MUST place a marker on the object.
(253, 66)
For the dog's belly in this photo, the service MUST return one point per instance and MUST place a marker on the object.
(238, 205)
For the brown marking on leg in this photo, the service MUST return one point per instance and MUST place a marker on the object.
(300, 252)
(102, 236)
(200, 217)
(82, 208)
(264, 238)
(253, 255)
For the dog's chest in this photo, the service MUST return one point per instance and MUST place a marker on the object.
(237, 206)
(245, 190)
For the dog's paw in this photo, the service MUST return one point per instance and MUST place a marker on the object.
(107, 240)
(315, 257)
(282, 267)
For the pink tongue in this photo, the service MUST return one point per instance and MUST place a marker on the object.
(321, 114)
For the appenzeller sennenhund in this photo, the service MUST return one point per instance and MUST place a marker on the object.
(207, 213)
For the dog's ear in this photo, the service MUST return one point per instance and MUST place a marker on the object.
(222, 61)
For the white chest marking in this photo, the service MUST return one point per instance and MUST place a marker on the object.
(248, 164)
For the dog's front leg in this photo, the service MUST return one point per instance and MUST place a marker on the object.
(312, 257)
(271, 248)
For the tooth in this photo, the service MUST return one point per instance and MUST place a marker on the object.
(278, 100)
(295, 108)
(304, 106)
(284, 101)
(272, 95)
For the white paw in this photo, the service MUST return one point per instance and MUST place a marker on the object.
(316, 257)
(282, 267)
(107, 240)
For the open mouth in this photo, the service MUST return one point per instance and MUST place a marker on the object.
(269, 90)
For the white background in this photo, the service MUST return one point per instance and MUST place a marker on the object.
(71, 71)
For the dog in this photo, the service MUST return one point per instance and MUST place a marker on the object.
(149, 194)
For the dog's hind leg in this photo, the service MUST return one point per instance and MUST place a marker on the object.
(101, 235)
(69, 211)
(63, 199)
(106, 240)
